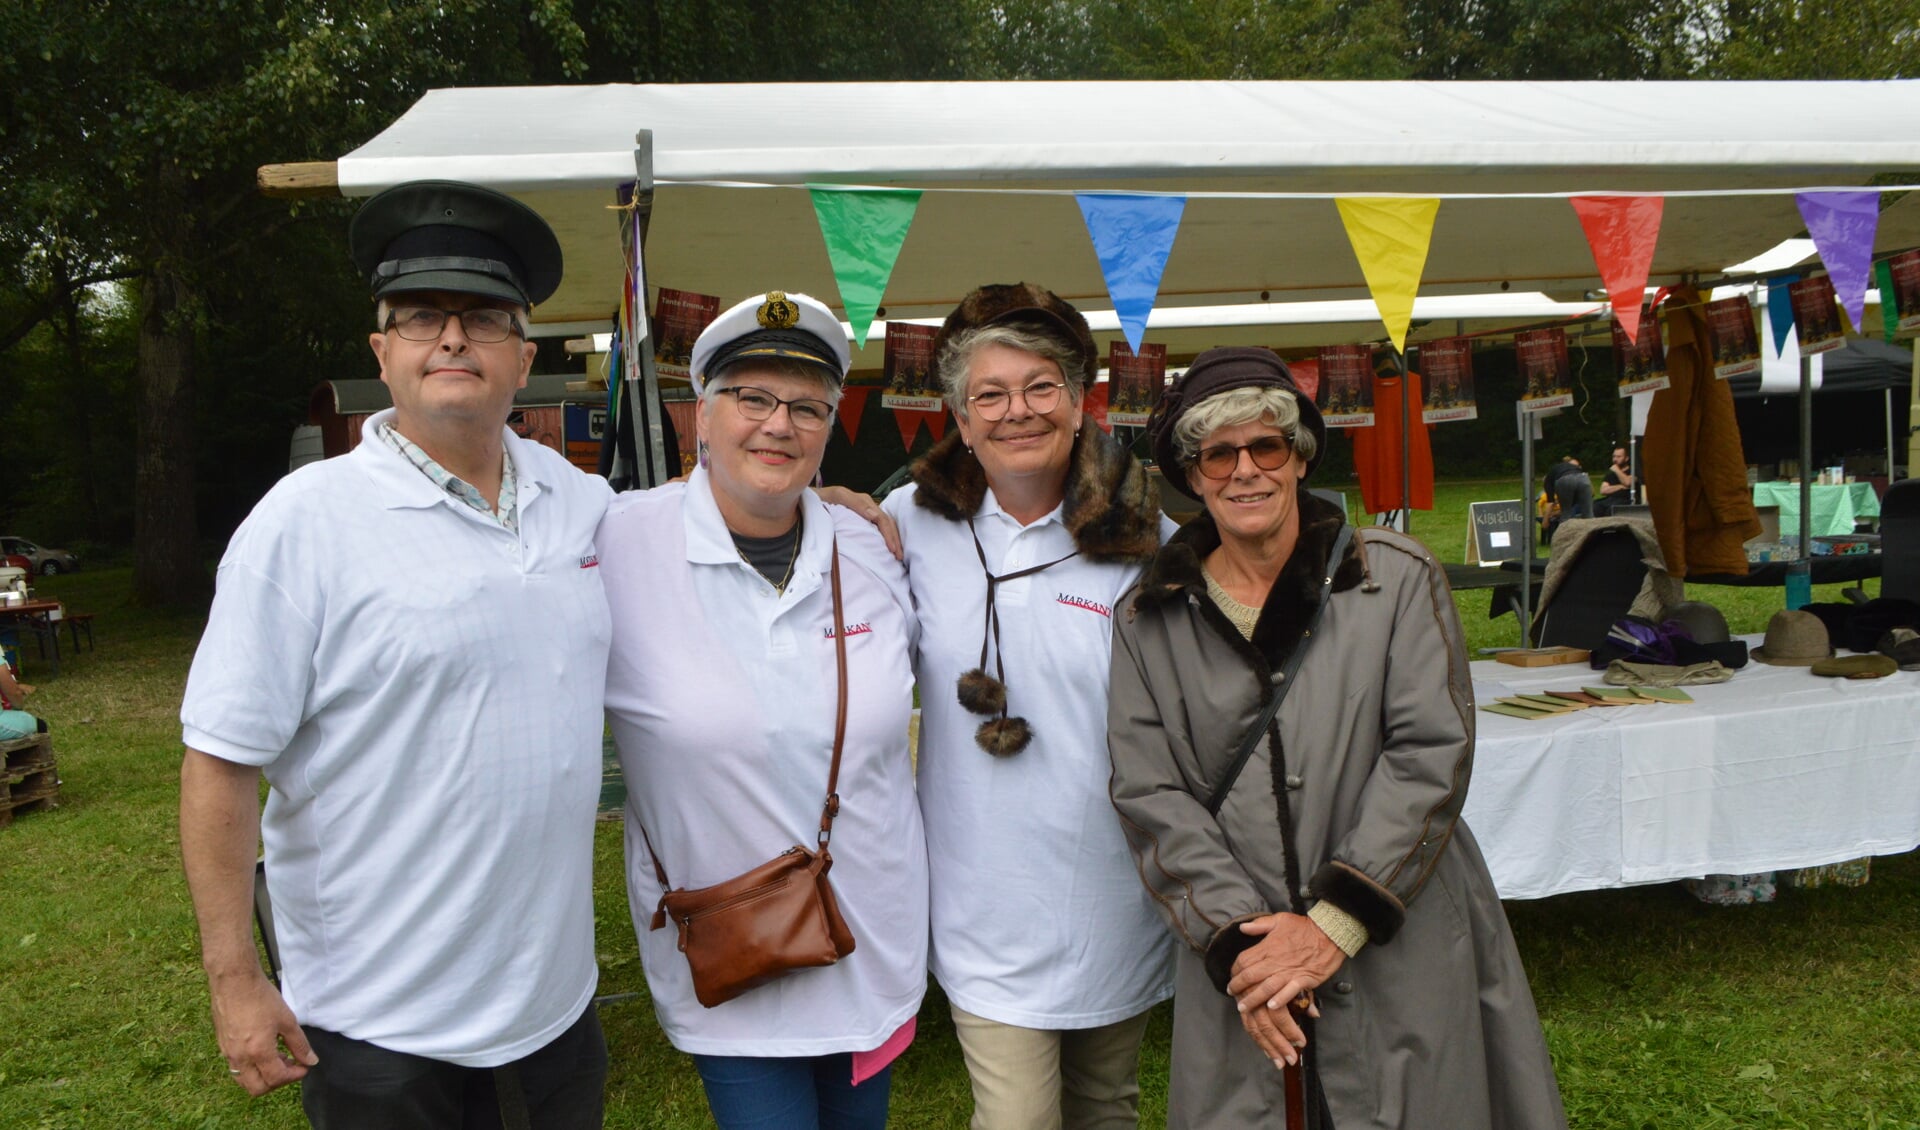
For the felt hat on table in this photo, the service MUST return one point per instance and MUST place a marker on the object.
(1794, 639)
(1902, 645)
(1868, 666)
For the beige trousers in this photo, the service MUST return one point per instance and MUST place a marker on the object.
(1052, 1079)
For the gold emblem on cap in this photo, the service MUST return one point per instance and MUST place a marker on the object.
(778, 312)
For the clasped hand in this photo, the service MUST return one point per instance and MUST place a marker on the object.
(1292, 958)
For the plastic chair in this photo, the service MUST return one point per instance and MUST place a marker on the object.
(1900, 540)
(1597, 589)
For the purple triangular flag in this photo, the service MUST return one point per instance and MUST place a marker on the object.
(1842, 226)
(1132, 235)
(1780, 310)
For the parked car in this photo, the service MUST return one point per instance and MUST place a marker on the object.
(44, 561)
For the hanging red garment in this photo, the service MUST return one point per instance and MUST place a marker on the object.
(1376, 450)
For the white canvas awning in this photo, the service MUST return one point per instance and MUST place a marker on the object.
(729, 219)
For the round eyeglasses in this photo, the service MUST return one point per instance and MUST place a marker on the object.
(1041, 398)
(484, 324)
(807, 414)
(1269, 453)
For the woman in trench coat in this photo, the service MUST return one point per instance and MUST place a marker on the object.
(1332, 907)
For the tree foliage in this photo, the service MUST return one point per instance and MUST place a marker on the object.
(147, 283)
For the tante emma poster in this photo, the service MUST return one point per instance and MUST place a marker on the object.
(1546, 378)
(1447, 368)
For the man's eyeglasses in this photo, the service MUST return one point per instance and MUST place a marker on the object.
(1041, 397)
(1270, 453)
(757, 404)
(484, 324)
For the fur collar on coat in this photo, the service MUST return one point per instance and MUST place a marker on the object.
(1175, 573)
(1111, 509)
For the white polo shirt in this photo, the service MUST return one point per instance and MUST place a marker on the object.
(1039, 917)
(423, 689)
(721, 695)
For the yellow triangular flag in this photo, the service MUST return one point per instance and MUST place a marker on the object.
(1390, 239)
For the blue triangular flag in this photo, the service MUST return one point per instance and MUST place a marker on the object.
(1132, 235)
(1780, 310)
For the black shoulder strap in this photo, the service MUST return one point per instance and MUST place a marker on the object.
(1259, 728)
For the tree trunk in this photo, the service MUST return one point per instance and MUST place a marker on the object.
(78, 387)
(166, 561)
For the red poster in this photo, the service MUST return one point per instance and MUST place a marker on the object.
(1906, 289)
(678, 318)
(908, 369)
(1448, 365)
(1346, 385)
(1642, 364)
(1545, 375)
(1734, 336)
(1816, 315)
(1134, 383)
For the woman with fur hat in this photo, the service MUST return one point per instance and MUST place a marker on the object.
(1291, 730)
(733, 596)
(1022, 529)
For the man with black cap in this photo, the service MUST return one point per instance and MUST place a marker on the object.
(411, 641)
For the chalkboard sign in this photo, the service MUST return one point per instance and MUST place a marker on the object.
(1498, 531)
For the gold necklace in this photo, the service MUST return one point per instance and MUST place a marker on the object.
(779, 586)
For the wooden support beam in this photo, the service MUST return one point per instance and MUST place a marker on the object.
(299, 180)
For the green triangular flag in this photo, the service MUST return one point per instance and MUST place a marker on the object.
(864, 228)
(1889, 309)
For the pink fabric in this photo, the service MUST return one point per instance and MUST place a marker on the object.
(868, 1064)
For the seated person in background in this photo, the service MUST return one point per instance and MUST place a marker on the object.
(15, 723)
(1617, 486)
(1569, 487)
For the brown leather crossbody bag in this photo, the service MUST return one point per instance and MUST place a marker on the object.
(779, 917)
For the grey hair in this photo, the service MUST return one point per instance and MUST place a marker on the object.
(1238, 406)
(779, 365)
(382, 309)
(957, 356)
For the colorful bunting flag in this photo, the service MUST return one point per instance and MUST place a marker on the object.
(1132, 236)
(1842, 226)
(1390, 238)
(1622, 231)
(853, 402)
(863, 228)
(1780, 309)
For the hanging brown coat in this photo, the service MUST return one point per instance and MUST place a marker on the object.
(1432, 1024)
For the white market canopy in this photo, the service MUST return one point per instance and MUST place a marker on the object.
(730, 217)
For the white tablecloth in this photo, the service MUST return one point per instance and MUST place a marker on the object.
(1776, 768)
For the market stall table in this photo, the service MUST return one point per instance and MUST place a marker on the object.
(1777, 768)
(37, 618)
(1836, 507)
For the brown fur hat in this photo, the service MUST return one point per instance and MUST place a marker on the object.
(1029, 307)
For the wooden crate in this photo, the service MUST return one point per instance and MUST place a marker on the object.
(29, 781)
(26, 755)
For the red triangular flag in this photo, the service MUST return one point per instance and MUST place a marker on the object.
(937, 424)
(1095, 406)
(908, 422)
(1622, 231)
(852, 404)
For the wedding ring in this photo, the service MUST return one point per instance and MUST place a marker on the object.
(233, 1071)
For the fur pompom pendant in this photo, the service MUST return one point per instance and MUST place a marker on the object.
(981, 693)
(1003, 737)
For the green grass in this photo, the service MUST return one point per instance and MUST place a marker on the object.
(1660, 1011)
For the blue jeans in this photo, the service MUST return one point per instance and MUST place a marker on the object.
(797, 1093)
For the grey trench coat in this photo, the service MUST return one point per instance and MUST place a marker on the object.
(1432, 1024)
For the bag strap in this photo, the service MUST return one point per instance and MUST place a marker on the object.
(1247, 744)
(832, 806)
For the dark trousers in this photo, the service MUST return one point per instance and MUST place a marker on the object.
(360, 1086)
